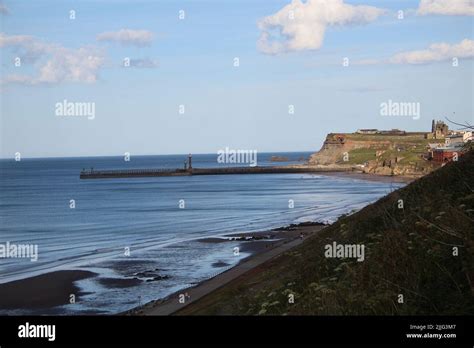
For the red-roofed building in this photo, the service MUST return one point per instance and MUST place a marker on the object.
(445, 154)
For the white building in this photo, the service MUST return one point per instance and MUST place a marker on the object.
(454, 139)
(467, 136)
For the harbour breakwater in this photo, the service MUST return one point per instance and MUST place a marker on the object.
(137, 173)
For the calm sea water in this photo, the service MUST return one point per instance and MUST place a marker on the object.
(143, 215)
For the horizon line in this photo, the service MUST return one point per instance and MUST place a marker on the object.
(167, 154)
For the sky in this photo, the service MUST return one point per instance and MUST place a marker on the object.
(332, 62)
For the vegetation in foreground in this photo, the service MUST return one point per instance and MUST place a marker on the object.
(409, 251)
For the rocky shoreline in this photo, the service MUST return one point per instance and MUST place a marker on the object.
(257, 243)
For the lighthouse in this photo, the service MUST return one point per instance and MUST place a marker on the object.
(190, 162)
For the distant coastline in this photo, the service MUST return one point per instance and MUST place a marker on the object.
(392, 152)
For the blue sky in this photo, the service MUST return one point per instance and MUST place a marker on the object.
(243, 107)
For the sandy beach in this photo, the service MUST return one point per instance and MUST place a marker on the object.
(43, 291)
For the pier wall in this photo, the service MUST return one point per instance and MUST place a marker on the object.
(108, 174)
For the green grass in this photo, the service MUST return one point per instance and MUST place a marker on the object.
(409, 251)
(412, 148)
(393, 138)
(359, 156)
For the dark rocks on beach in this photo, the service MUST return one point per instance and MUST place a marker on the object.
(295, 226)
(119, 282)
(250, 238)
(146, 274)
(152, 275)
(220, 264)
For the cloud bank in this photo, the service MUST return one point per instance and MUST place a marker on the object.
(144, 63)
(301, 25)
(128, 37)
(436, 53)
(446, 7)
(54, 62)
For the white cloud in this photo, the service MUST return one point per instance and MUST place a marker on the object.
(145, 63)
(25, 46)
(301, 25)
(71, 65)
(436, 53)
(15, 40)
(128, 37)
(447, 7)
(54, 63)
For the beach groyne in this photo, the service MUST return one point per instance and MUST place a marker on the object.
(138, 173)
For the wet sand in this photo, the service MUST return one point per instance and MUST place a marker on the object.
(373, 177)
(43, 291)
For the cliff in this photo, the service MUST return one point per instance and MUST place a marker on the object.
(376, 153)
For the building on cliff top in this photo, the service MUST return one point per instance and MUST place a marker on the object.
(367, 131)
(439, 130)
(447, 153)
(454, 139)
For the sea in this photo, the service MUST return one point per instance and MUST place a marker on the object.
(150, 228)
